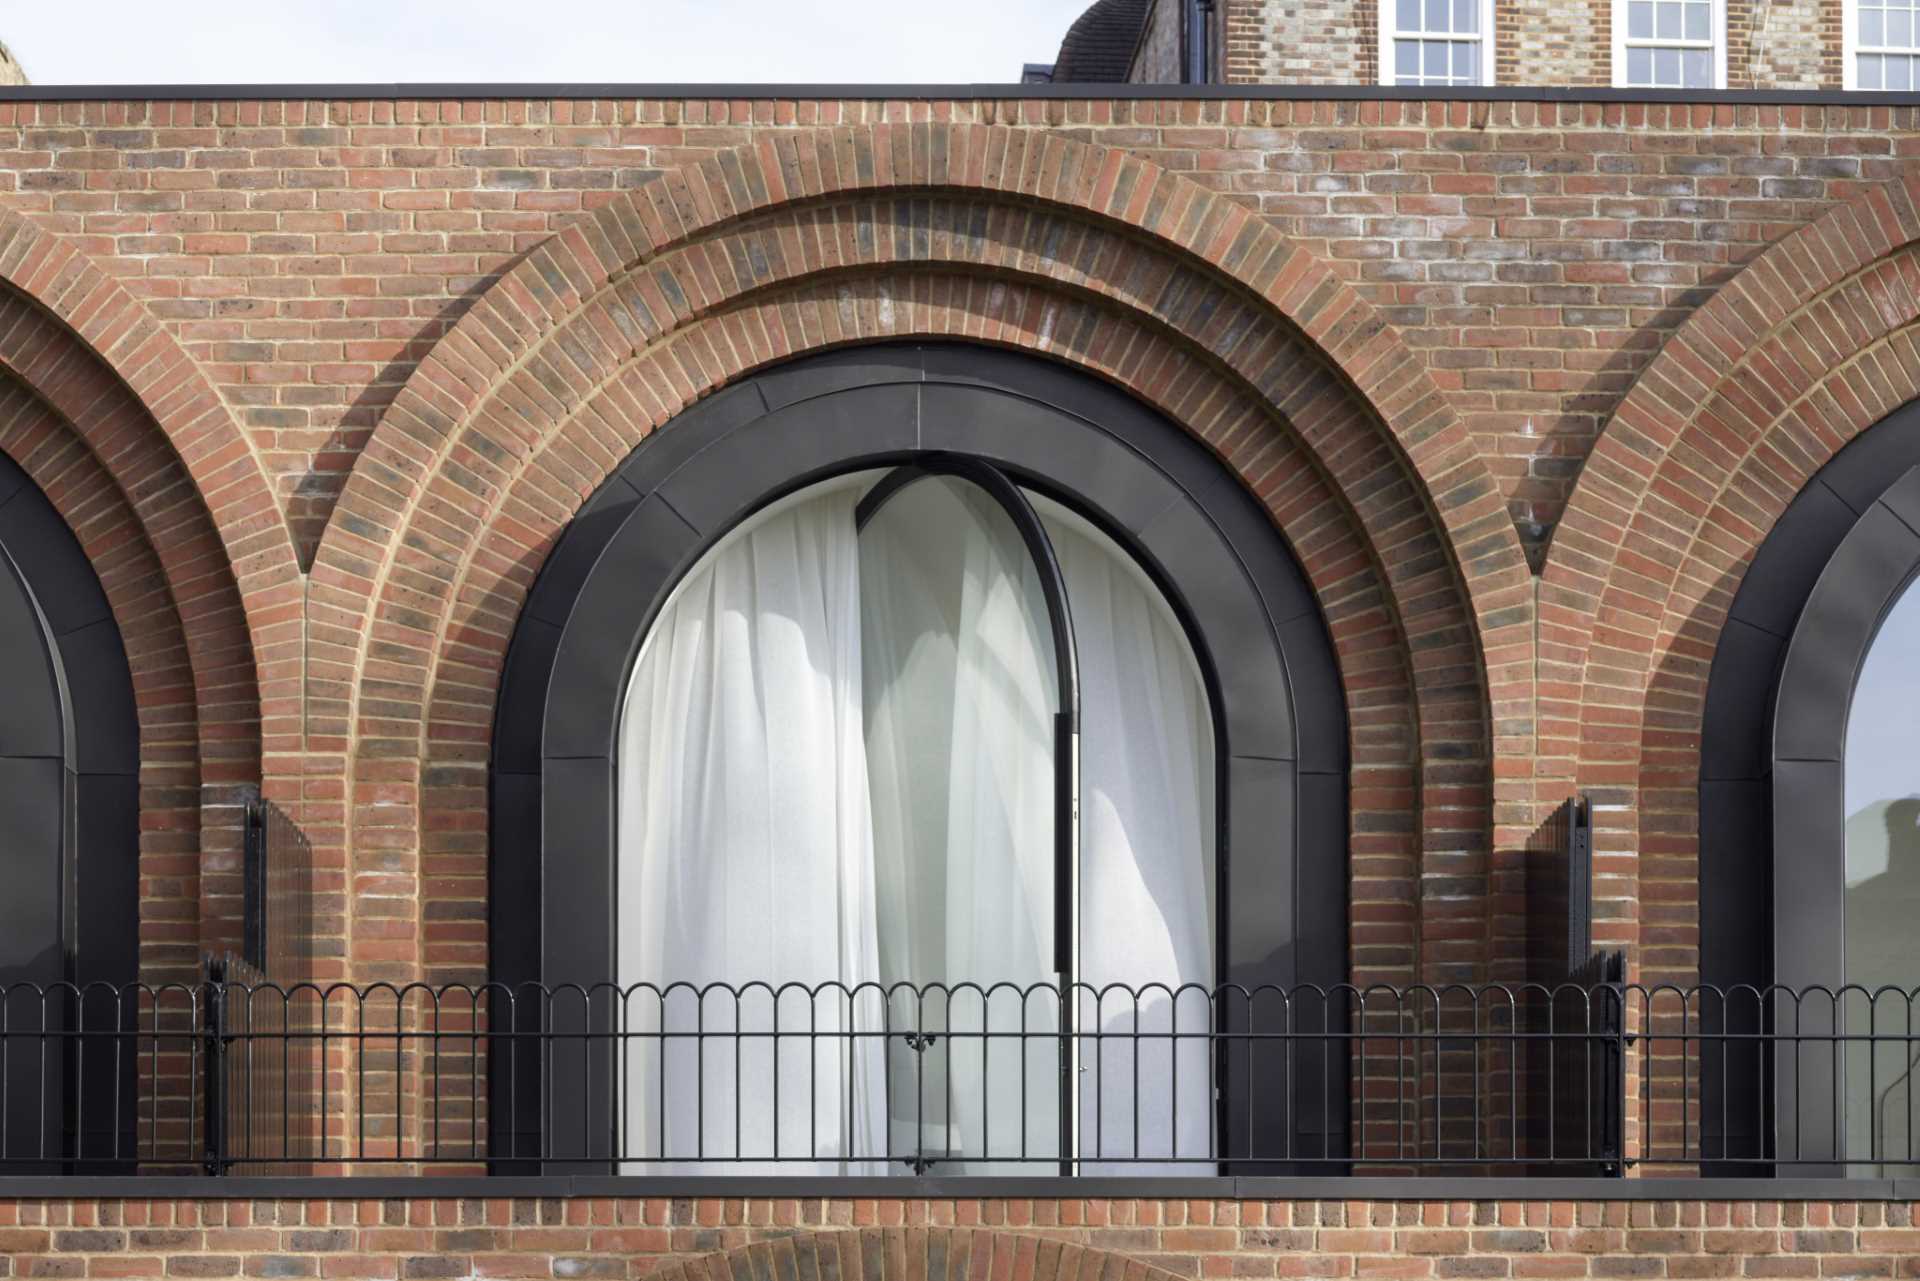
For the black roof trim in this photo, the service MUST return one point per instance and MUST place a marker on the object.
(942, 93)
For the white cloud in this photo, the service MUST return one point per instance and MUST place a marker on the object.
(635, 41)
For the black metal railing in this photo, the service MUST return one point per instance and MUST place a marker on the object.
(232, 1076)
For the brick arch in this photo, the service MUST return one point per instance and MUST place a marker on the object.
(1812, 343)
(1352, 587)
(912, 1254)
(165, 452)
(52, 454)
(645, 274)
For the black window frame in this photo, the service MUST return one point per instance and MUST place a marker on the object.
(1253, 620)
(70, 806)
(1772, 797)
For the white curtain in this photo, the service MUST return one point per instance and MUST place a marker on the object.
(1146, 863)
(837, 766)
(746, 855)
(961, 697)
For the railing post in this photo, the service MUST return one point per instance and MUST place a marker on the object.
(1616, 1137)
(214, 1129)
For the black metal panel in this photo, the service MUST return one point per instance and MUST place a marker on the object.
(878, 365)
(577, 888)
(47, 552)
(33, 715)
(1238, 632)
(106, 912)
(1874, 459)
(1789, 562)
(1816, 681)
(100, 685)
(1734, 739)
(582, 708)
(789, 448)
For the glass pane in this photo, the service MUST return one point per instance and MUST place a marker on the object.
(1466, 16)
(1437, 16)
(1406, 59)
(1870, 71)
(1640, 66)
(1640, 20)
(1696, 69)
(1433, 58)
(1466, 60)
(1699, 22)
(1899, 72)
(1667, 21)
(1900, 28)
(1883, 884)
(1407, 14)
(958, 699)
(1666, 67)
(1147, 828)
(1871, 27)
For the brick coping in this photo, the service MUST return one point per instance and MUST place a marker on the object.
(795, 1187)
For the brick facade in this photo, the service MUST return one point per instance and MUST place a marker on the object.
(707, 1239)
(1523, 384)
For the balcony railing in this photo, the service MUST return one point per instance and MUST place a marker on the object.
(231, 1076)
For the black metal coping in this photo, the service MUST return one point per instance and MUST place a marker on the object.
(949, 92)
(396, 1187)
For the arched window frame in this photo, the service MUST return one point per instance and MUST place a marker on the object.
(1772, 785)
(1253, 621)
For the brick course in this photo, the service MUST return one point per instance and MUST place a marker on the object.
(711, 1239)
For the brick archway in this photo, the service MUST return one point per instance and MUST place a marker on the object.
(1812, 343)
(139, 456)
(1138, 276)
(913, 1254)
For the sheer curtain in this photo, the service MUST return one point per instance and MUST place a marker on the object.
(960, 697)
(1147, 828)
(837, 766)
(746, 854)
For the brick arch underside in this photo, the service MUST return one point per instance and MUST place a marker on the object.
(911, 1254)
(607, 330)
(1812, 344)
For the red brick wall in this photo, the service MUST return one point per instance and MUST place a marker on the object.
(318, 367)
(704, 1239)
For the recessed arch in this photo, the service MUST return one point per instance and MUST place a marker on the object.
(1253, 618)
(681, 279)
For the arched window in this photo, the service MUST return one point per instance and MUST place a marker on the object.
(908, 688)
(69, 806)
(1808, 769)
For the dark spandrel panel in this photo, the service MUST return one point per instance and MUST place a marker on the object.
(32, 861)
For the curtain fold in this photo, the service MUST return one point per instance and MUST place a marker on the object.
(746, 857)
(961, 696)
(1147, 826)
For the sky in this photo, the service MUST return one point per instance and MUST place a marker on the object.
(559, 41)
